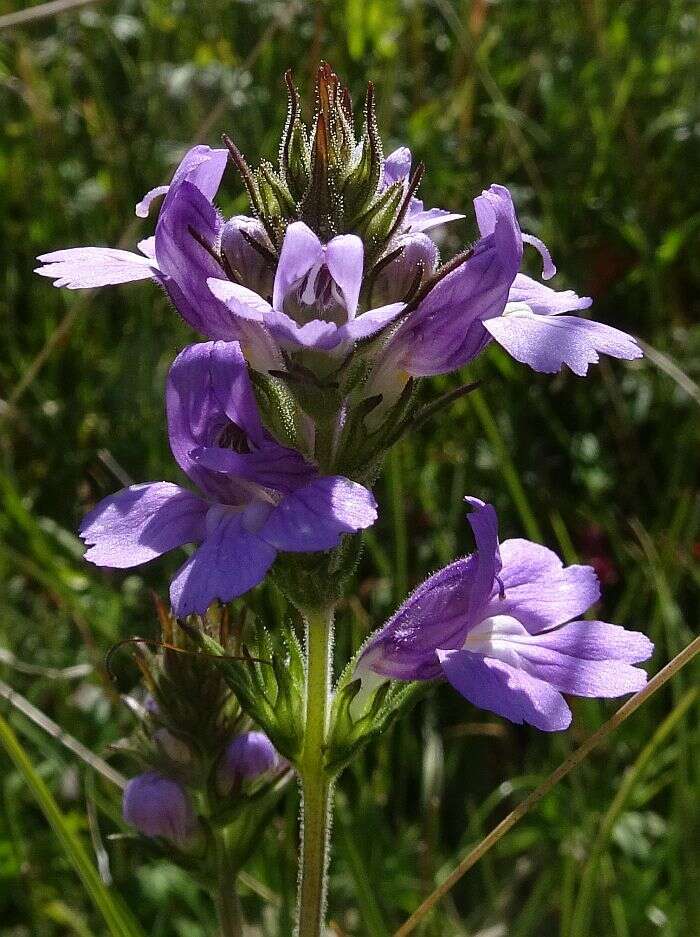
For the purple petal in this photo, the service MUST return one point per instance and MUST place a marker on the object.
(158, 806)
(207, 388)
(201, 166)
(598, 640)
(370, 322)
(446, 330)
(546, 343)
(316, 516)
(397, 166)
(84, 268)
(148, 248)
(242, 302)
(538, 591)
(344, 257)
(435, 615)
(252, 268)
(581, 676)
(506, 691)
(484, 522)
(273, 466)
(142, 522)
(317, 334)
(228, 563)
(413, 266)
(548, 268)
(144, 206)
(424, 220)
(301, 249)
(543, 300)
(186, 265)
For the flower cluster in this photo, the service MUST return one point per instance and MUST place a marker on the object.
(323, 308)
(322, 311)
(200, 758)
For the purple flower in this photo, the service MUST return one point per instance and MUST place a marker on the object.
(486, 298)
(158, 806)
(255, 496)
(246, 758)
(315, 294)
(177, 258)
(503, 627)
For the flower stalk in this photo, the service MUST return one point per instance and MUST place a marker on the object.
(315, 784)
(228, 905)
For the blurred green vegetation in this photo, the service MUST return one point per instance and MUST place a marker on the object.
(587, 109)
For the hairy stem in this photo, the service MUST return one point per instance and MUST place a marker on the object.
(315, 785)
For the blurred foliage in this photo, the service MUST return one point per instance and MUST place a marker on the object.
(587, 109)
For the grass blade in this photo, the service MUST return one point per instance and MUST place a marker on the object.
(117, 918)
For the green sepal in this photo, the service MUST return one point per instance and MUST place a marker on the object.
(349, 734)
(266, 687)
(298, 166)
(363, 174)
(280, 410)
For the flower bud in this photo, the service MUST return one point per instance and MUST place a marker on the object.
(158, 806)
(247, 262)
(246, 758)
(416, 262)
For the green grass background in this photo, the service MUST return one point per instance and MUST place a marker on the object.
(588, 110)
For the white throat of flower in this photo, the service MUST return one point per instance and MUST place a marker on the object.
(498, 637)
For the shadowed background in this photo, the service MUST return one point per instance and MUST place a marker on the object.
(587, 110)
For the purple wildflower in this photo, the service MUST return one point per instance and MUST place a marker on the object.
(503, 627)
(158, 806)
(246, 758)
(256, 496)
(315, 294)
(176, 257)
(486, 298)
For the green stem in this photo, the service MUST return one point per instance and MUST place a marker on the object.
(227, 904)
(315, 785)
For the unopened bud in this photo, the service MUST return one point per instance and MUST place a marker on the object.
(246, 758)
(249, 261)
(407, 271)
(157, 806)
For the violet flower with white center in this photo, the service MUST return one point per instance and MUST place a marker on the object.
(255, 497)
(246, 758)
(315, 294)
(486, 298)
(503, 627)
(159, 806)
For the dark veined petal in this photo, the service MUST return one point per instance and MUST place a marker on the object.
(207, 388)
